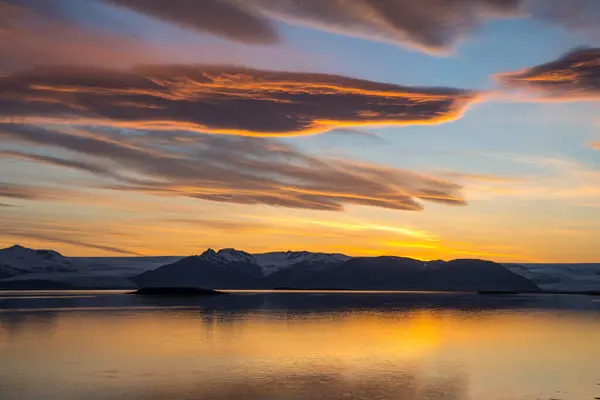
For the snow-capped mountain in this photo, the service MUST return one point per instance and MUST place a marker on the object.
(269, 270)
(19, 260)
(234, 269)
(209, 269)
(277, 261)
(271, 262)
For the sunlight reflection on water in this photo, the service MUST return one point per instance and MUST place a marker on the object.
(297, 346)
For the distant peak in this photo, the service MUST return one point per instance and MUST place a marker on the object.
(17, 247)
(209, 252)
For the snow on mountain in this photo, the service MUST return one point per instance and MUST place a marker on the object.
(229, 256)
(234, 269)
(271, 262)
(568, 277)
(276, 261)
(284, 268)
(18, 260)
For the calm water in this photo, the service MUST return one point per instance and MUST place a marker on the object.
(278, 346)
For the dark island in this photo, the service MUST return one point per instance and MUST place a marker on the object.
(176, 291)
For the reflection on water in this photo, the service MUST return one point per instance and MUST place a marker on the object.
(299, 346)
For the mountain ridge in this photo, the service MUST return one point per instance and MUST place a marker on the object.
(236, 269)
(115, 272)
(18, 260)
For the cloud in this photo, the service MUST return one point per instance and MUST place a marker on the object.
(361, 133)
(220, 99)
(27, 192)
(594, 145)
(32, 226)
(65, 32)
(574, 76)
(239, 170)
(31, 34)
(558, 179)
(33, 31)
(73, 242)
(430, 25)
(228, 19)
(57, 162)
(434, 26)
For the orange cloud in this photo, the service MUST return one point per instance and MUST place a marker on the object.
(575, 76)
(231, 169)
(220, 99)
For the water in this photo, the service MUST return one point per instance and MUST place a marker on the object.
(279, 346)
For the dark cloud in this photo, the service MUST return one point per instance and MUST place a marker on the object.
(42, 32)
(90, 32)
(50, 30)
(220, 99)
(574, 76)
(34, 32)
(240, 170)
(27, 192)
(228, 19)
(431, 25)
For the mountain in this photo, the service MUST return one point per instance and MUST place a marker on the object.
(278, 269)
(233, 269)
(18, 260)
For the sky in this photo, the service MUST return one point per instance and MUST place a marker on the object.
(435, 129)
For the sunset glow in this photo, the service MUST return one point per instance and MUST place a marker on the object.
(132, 128)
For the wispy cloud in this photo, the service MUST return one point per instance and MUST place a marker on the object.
(84, 234)
(560, 179)
(28, 192)
(240, 170)
(73, 242)
(57, 161)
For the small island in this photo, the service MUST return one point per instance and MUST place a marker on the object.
(176, 291)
